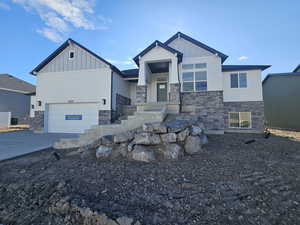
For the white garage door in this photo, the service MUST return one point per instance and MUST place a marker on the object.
(71, 118)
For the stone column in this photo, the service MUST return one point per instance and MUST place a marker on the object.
(104, 117)
(174, 93)
(37, 123)
(141, 94)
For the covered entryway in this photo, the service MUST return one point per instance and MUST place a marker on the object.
(71, 118)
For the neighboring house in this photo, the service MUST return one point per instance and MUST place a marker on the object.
(77, 89)
(281, 94)
(14, 98)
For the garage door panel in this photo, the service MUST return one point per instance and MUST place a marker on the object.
(71, 118)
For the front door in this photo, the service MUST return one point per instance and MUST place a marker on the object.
(162, 91)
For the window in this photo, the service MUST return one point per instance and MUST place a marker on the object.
(201, 81)
(238, 80)
(32, 106)
(200, 66)
(71, 54)
(187, 66)
(195, 78)
(73, 117)
(240, 119)
(39, 103)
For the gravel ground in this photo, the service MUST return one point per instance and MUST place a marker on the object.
(230, 183)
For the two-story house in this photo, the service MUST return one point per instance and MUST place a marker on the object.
(77, 89)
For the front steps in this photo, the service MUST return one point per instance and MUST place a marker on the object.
(152, 114)
(171, 107)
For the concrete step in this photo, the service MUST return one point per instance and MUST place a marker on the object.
(133, 122)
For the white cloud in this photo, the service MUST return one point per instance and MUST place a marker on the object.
(50, 34)
(241, 58)
(52, 20)
(4, 6)
(60, 16)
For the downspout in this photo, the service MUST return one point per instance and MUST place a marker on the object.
(111, 97)
(180, 100)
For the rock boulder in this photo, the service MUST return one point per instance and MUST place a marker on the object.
(193, 145)
(104, 152)
(141, 153)
(155, 127)
(173, 151)
(169, 137)
(147, 139)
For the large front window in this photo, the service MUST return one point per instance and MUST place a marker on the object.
(194, 77)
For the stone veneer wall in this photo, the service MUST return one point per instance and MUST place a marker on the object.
(37, 122)
(207, 104)
(257, 113)
(105, 117)
(121, 101)
(174, 95)
(141, 94)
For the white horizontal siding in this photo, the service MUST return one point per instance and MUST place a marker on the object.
(253, 92)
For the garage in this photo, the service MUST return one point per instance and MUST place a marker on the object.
(71, 118)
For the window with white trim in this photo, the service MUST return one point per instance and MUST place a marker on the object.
(239, 119)
(238, 80)
(71, 55)
(194, 77)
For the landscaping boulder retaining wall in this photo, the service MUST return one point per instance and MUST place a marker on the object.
(169, 140)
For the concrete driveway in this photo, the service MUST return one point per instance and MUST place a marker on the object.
(22, 142)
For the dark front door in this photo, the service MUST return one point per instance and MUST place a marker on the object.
(162, 92)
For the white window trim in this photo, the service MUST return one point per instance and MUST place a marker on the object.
(250, 127)
(70, 54)
(238, 73)
(194, 70)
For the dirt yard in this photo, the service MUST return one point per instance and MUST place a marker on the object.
(230, 183)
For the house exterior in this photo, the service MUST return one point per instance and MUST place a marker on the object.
(281, 96)
(14, 98)
(77, 89)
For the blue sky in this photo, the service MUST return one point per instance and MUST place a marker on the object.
(249, 32)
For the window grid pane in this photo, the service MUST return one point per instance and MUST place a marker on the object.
(200, 65)
(188, 76)
(245, 119)
(201, 86)
(234, 80)
(187, 66)
(234, 120)
(188, 86)
(200, 75)
(242, 80)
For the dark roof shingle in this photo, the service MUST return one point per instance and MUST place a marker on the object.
(131, 73)
(10, 82)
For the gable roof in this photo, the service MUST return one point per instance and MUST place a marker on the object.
(297, 68)
(195, 42)
(63, 47)
(280, 74)
(11, 83)
(227, 68)
(154, 44)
